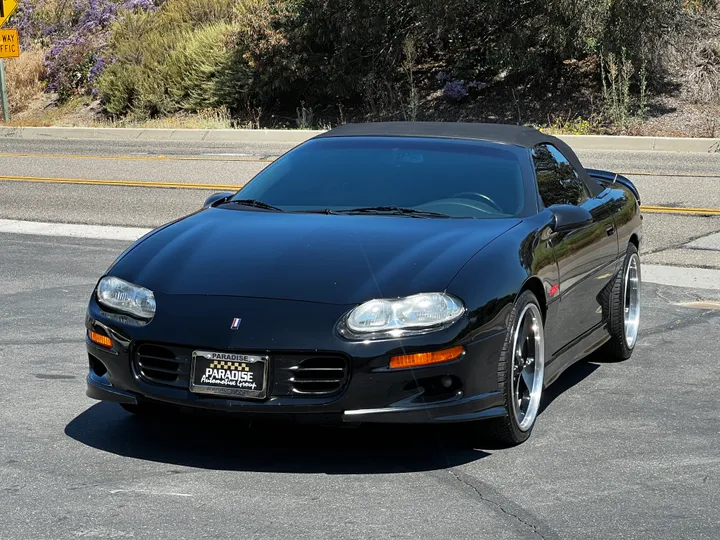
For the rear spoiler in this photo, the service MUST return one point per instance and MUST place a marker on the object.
(608, 178)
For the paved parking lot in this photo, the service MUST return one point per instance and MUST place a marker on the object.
(625, 450)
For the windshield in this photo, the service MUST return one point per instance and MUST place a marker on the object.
(460, 179)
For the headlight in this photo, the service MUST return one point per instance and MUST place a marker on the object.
(118, 294)
(417, 313)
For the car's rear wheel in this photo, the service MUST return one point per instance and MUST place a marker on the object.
(624, 313)
(521, 372)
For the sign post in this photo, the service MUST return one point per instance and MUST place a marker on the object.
(9, 48)
(3, 91)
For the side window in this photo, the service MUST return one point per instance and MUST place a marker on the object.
(558, 181)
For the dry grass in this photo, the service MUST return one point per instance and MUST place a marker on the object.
(24, 78)
(81, 112)
(209, 119)
(669, 116)
(44, 111)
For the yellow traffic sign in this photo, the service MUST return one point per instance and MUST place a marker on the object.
(9, 44)
(6, 9)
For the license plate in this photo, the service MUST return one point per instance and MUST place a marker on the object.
(226, 374)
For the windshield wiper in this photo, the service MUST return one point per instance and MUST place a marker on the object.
(256, 204)
(393, 210)
(322, 211)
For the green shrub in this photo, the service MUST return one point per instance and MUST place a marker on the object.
(197, 13)
(570, 126)
(329, 51)
(163, 63)
(134, 79)
(198, 71)
(249, 55)
(270, 45)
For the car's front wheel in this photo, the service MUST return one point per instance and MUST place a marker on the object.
(521, 372)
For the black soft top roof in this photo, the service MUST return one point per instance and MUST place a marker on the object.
(525, 137)
(502, 133)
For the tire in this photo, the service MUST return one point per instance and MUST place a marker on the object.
(623, 338)
(515, 428)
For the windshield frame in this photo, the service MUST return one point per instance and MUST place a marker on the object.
(530, 203)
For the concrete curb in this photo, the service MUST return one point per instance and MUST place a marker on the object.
(192, 135)
(658, 144)
(580, 142)
(681, 276)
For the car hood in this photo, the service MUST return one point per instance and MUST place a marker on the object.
(334, 259)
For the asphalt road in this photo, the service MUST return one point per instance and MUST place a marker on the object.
(626, 450)
(668, 179)
(621, 450)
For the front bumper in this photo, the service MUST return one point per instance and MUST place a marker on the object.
(373, 393)
(386, 397)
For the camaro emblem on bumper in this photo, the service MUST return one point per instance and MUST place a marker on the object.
(235, 324)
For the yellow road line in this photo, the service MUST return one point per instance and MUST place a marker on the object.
(234, 187)
(680, 210)
(120, 183)
(142, 158)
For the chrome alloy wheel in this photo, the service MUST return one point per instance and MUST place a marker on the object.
(631, 301)
(528, 368)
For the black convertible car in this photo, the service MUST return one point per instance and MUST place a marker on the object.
(388, 272)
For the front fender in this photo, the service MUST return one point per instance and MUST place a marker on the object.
(493, 278)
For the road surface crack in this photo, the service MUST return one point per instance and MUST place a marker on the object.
(496, 504)
(682, 244)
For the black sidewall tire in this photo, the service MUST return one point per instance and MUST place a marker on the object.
(617, 348)
(506, 430)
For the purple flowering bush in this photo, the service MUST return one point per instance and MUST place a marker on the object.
(456, 89)
(74, 33)
(84, 50)
(68, 65)
(27, 23)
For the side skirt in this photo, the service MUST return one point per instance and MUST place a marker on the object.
(583, 346)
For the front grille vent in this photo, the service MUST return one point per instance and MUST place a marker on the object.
(160, 365)
(291, 373)
(319, 376)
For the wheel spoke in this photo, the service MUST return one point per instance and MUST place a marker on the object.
(528, 366)
(528, 379)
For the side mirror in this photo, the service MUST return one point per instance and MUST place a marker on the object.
(568, 217)
(212, 199)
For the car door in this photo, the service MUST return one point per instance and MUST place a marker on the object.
(586, 257)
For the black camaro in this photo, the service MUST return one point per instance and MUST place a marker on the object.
(389, 272)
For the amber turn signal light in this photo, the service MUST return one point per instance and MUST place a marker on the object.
(101, 340)
(425, 359)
